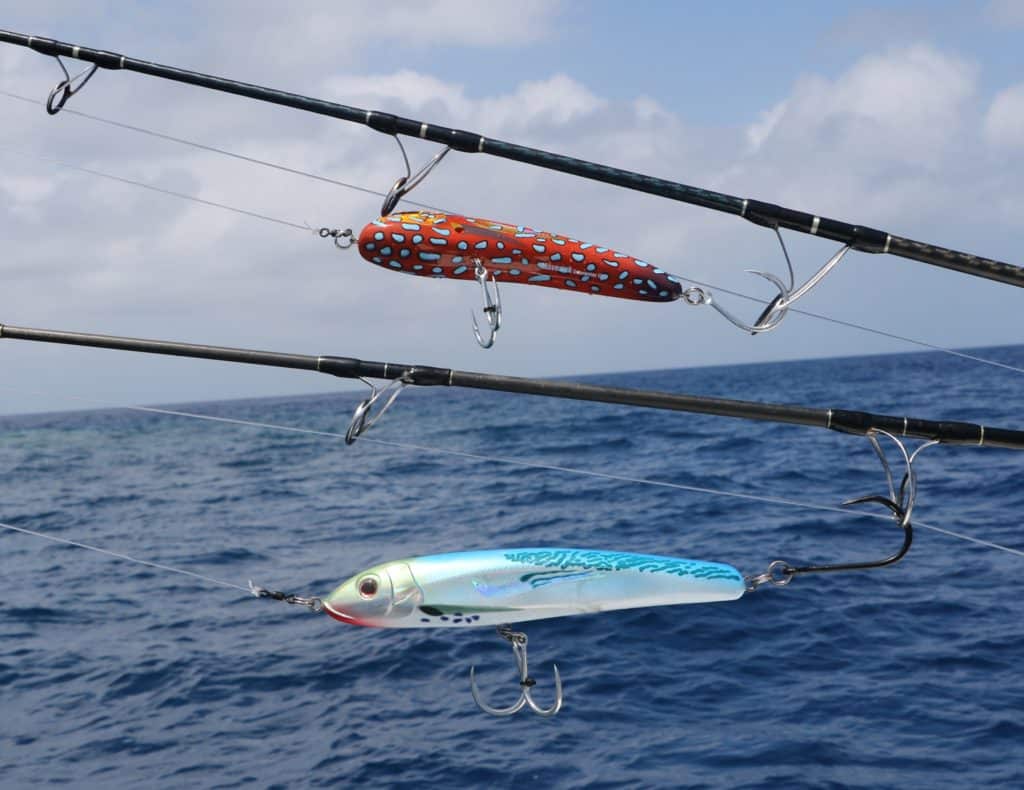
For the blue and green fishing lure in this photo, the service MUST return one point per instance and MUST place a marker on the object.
(488, 588)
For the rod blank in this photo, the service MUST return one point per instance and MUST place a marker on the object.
(844, 421)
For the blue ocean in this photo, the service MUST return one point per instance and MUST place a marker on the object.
(118, 674)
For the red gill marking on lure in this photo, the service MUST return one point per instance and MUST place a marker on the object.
(341, 617)
(448, 245)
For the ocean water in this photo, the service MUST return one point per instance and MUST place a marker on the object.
(115, 674)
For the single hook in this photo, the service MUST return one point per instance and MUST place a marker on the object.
(778, 307)
(407, 183)
(900, 503)
(518, 641)
(492, 304)
(64, 87)
(361, 420)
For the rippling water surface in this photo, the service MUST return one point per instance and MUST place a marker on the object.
(116, 674)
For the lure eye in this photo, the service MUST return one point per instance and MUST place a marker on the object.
(368, 587)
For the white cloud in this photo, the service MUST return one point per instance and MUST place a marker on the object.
(649, 110)
(542, 104)
(906, 104)
(23, 191)
(466, 22)
(331, 35)
(1004, 121)
(762, 129)
(556, 101)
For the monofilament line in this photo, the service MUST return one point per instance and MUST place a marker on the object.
(126, 557)
(214, 150)
(172, 193)
(537, 465)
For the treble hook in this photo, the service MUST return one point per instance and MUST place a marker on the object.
(900, 502)
(492, 304)
(361, 420)
(407, 183)
(64, 86)
(778, 307)
(518, 641)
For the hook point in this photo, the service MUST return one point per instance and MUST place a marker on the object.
(526, 683)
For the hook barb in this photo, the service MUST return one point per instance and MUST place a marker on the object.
(518, 641)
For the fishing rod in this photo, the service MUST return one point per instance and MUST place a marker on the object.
(341, 240)
(499, 587)
(400, 375)
(852, 236)
(503, 586)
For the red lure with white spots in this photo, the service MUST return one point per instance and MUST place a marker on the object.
(448, 245)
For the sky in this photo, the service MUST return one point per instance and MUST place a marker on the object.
(905, 116)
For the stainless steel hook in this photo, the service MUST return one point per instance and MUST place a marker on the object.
(778, 307)
(492, 304)
(518, 641)
(900, 503)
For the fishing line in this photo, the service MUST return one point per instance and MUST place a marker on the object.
(161, 190)
(968, 538)
(863, 328)
(212, 149)
(529, 465)
(307, 228)
(127, 557)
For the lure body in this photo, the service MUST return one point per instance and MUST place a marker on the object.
(487, 588)
(449, 245)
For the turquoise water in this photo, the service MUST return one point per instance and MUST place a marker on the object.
(116, 674)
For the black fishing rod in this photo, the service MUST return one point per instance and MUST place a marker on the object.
(858, 237)
(842, 420)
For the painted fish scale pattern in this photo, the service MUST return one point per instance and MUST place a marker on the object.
(449, 245)
(589, 559)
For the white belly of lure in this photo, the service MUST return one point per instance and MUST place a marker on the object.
(487, 588)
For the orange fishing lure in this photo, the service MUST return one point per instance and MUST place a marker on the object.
(449, 245)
